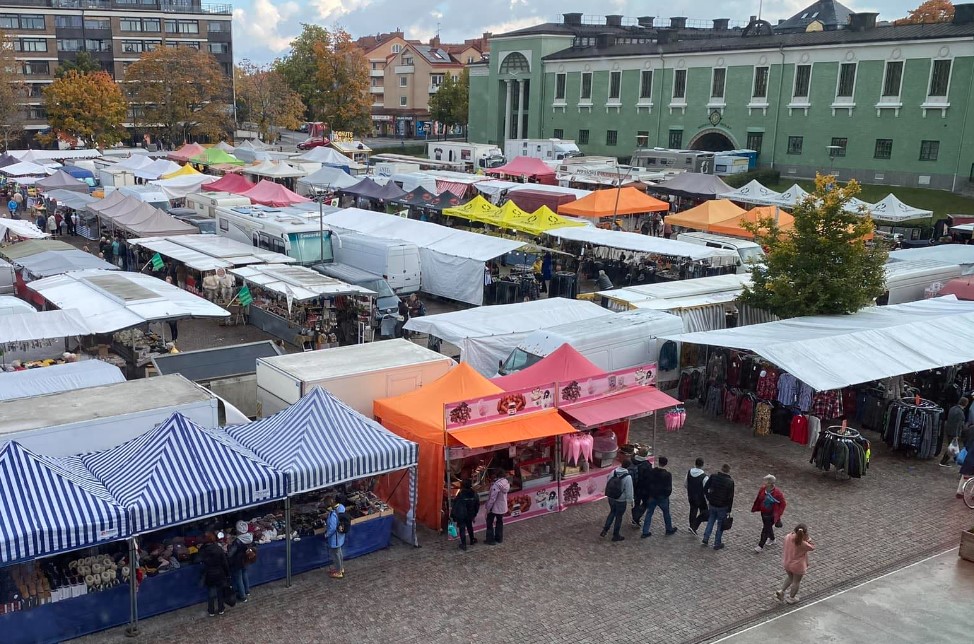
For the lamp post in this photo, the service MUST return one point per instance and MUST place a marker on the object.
(833, 152)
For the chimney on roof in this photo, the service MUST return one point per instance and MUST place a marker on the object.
(679, 22)
(435, 41)
(862, 21)
(613, 21)
(721, 24)
(646, 21)
(573, 18)
(664, 36)
(963, 14)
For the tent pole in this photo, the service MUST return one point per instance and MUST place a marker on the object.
(132, 630)
(287, 540)
(655, 418)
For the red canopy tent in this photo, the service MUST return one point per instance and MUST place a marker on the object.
(187, 151)
(232, 182)
(268, 193)
(529, 167)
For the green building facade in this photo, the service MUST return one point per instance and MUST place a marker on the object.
(882, 104)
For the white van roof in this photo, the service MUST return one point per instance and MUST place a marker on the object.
(732, 241)
(920, 268)
(586, 333)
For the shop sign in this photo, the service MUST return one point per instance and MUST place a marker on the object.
(111, 533)
(342, 137)
(607, 384)
(381, 117)
(520, 402)
(261, 494)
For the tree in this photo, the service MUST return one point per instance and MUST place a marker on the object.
(823, 266)
(86, 107)
(264, 98)
(450, 103)
(12, 93)
(180, 92)
(84, 62)
(929, 12)
(300, 65)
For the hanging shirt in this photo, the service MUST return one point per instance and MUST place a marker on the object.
(787, 389)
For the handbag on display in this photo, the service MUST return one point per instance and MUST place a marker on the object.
(727, 523)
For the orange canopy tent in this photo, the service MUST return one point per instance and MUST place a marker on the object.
(419, 417)
(734, 226)
(706, 215)
(609, 203)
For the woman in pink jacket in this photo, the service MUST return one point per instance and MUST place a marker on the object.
(795, 560)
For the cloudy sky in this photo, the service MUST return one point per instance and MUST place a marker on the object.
(263, 28)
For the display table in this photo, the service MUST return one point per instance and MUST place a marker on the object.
(68, 618)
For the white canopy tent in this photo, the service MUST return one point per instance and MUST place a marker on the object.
(487, 334)
(858, 206)
(300, 282)
(834, 351)
(732, 283)
(28, 326)
(58, 378)
(179, 187)
(275, 170)
(21, 228)
(326, 178)
(112, 301)
(25, 169)
(493, 188)
(156, 169)
(10, 304)
(754, 193)
(130, 164)
(209, 252)
(793, 196)
(57, 154)
(328, 156)
(892, 209)
(645, 244)
(409, 181)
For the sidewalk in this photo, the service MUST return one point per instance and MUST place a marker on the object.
(929, 601)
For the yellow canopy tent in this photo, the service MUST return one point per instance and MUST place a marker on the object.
(734, 226)
(184, 171)
(541, 220)
(477, 209)
(704, 216)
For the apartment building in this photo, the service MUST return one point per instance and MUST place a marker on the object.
(46, 33)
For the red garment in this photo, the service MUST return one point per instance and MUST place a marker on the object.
(767, 388)
(778, 508)
(730, 405)
(734, 369)
(827, 405)
(799, 429)
(745, 410)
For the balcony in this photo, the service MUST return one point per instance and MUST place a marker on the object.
(377, 90)
(433, 89)
(405, 69)
(377, 73)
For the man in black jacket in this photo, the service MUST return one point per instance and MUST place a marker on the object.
(719, 491)
(660, 489)
(216, 572)
(640, 478)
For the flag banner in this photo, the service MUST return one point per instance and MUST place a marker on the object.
(244, 296)
(157, 263)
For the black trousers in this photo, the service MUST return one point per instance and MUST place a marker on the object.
(495, 528)
(767, 530)
(698, 513)
(465, 528)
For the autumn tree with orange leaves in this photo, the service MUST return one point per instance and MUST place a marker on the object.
(929, 12)
(88, 108)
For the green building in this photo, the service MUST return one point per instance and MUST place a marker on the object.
(826, 89)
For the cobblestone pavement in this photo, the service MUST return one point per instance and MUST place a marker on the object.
(554, 579)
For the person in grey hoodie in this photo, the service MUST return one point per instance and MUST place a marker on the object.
(953, 427)
(496, 508)
(694, 483)
(237, 555)
(619, 480)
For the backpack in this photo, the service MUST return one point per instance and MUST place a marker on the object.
(344, 521)
(613, 487)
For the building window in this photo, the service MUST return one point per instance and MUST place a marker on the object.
(611, 137)
(892, 78)
(838, 146)
(403, 101)
(558, 133)
(847, 81)
(68, 22)
(642, 139)
(515, 63)
(795, 144)
(219, 47)
(760, 89)
(436, 80)
(9, 21)
(37, 68)
(396, 49)
(676, 139)
(30, 44)
(680, 84)
(98, 23)
(37, 113)
(717, 83)
(69, 44)
(803, 80)
(583, 137)
(130, 24)
(560, 87)
(755, 140)
(151, 25)
(32, 22)
(939, 78)
(98, 45)
(182, 27)
(615, 85)
(646, 85)
(218, 26)
(884, 149)
(586, 93)
(403, 80)
(407, 60)
(929, 150)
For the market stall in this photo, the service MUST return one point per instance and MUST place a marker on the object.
(693, 185)
(326, 179)
(68, 202)
(327, 156)
(39, 258)
(304, 307)
(734, 227)
(626, 203)
(147, 220)
(526, 168)
(66, 376)
(187, 151)
(178, 187)
(61, 180)
(704, 216)
(231, 182)
(213, 157)
(369, 190)
(268, 193)
(31, 339)
(753, 193)
(12, 229)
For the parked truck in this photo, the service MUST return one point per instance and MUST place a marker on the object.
(357, 375)
(545, 149)
(470, 155)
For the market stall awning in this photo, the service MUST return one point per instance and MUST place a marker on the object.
(275, 170)
(130, 164)
(705, 215)
(524, 167)
(694, 185)
(70, 199)
(612, 202)
(268, 193)
(42, 325)
(111, 301)
(300, 282)
(180, 471)
(191, 258)
(25, 169)
(477, 209)
(61, 180)
(754, 193)
(631, 403)
(564, 364)
(57, 378)
(56, 262)
(21, 228)
(51, 505)
(834, 351)
(328, 156)
(148, 221)
(157, 169)
(188, 150)
(327, 178)
(178, 187)
(892, 209)
(542, 424)
(209, 252)
(735, 226)
(793, 196)
(319, 441)
(232, 183)
(215, 156)
(646, 244)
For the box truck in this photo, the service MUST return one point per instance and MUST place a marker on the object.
(396, 261)
(357, 375)
(546, 149)
(470, 155)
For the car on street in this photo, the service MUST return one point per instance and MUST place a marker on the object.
(307, 144)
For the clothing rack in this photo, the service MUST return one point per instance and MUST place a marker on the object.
(842, 449)
(914, 425)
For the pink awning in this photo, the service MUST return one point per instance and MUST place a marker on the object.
(455, 187)
(628, 404)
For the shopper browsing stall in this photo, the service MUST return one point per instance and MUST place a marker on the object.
(496, 509)
(216, 572)
(618, 492)
(335, 536)
(241, 554)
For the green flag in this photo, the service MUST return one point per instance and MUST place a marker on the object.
(244, 296)
(157, 263)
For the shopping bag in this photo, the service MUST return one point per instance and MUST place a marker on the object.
(451, 529)
(229, 596)
(961, 456)
(728, 523)
(954, 447)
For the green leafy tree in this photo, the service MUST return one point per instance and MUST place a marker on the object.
(264, 98)
(824, 265)
(86, 107)
(929, 12)
(299, 67)
(342, 76)
(84, 63)
(449, 105)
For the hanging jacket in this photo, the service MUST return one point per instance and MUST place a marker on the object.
(773, 504)
(719, 491)
(695, 481)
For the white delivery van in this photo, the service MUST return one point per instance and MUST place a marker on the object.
(357, 375)
(611, 342)
(396, 261)
(152, 195)
(907, 281)
(470, 155)
(206, 203)
(545, 149)
(750, 252)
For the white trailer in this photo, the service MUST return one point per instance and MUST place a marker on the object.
(546, 149)
(470, 155)
(206, 203)
(357, 375)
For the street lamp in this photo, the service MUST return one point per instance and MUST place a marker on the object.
(833, 152)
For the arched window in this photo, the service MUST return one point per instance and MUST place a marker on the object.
(515, 63)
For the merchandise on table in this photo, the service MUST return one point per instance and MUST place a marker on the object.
(21, 365)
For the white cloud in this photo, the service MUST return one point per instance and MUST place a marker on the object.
(257, 29)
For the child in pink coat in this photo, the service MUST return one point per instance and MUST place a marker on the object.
(795, 561)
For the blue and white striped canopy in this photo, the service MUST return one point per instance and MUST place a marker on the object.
(180, 471)
(319, 441)
(50, 505)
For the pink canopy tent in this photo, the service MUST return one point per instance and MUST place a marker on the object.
(526, 167)
(268, 193)
(563, 365)
(232, 182)
(187, 151)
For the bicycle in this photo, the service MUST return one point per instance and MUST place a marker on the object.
(968, 492)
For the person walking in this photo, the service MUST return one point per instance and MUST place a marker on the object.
(466, 505)
(640, 486)
(619, 494)
(794, 557)
(694, 483)
(719, 492)
(496, 508)
(237, 558)
(770, 502)
(12, 207)
(335, 536)
(967, 467)
(216, 572)
(52, 225)
(953, 426)
(545, 271)
(660, 489)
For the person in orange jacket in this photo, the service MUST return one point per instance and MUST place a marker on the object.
(770, 502)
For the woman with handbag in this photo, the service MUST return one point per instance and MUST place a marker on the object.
(795, 561)
(770, 502)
